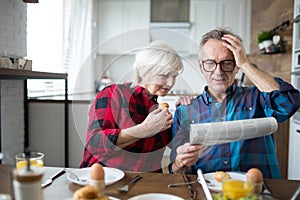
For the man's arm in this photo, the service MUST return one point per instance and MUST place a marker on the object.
(262, 80)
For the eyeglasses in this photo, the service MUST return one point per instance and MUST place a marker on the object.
(211, 65)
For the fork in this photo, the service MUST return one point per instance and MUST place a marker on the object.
(125, 188)
(193, 192)
(75, 176)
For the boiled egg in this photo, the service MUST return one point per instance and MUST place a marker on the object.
(254, 175)
(97, 172)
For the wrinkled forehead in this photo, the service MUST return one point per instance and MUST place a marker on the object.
(214, 49)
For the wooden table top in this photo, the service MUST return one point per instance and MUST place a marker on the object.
(62, 188)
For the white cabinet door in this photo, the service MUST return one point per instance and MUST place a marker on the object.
(122, 25)
(203, 17)
(137, 24)
(236, 15)
(110, 26)
(206, 15)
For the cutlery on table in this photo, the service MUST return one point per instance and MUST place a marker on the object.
(52, 178)
(296, 193)
(126, 188)
(181, 184)
(193, 193)
(83, 180)
(204, 185)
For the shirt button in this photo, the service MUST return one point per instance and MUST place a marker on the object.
(250, 108)
(222, 118)
(225, 162)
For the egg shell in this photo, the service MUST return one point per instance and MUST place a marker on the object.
(97, 172)
(254, 175)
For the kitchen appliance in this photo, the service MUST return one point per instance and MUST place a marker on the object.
(297, 26)
(297, 58)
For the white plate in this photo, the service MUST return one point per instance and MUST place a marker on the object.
(155, 196)
(110, 198)
(217, 186)
(111, 175)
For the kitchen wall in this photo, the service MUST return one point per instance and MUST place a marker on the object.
(12, 42)
(120, 67)
(266, 15)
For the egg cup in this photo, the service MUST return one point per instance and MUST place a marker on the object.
(100, 184)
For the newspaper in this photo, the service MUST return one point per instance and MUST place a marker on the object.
(230, 131)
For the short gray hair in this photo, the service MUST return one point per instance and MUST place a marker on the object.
(215, 34)
(157, 58)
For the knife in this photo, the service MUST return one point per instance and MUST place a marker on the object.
(193, 193)
(52, 178)
(204, 185)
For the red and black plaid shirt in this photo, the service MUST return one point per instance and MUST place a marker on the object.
(119, 107)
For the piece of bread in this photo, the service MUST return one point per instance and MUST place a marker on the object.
(220, 176)
(163, 105)
(88, 192)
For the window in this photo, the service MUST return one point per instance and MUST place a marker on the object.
(59, 40)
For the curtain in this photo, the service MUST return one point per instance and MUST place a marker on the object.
(59, 39)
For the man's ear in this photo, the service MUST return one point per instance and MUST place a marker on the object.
(200, 65)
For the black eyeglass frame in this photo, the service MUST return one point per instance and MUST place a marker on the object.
(221, 65)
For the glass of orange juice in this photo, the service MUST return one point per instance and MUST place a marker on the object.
(36, 159)
(236, 189)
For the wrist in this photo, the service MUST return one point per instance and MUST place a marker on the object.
(177, 166)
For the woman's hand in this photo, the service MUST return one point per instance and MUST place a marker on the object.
(183, 100)
(157, 121)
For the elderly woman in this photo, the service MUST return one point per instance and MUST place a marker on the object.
(126, 129)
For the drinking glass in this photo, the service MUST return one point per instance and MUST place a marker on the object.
(235, 189)
(36, 159)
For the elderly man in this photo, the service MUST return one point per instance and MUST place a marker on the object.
(221, 56)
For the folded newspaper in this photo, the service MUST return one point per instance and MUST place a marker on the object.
(230, 131)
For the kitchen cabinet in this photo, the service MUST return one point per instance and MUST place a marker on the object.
(209, 14)
(294, 140)
(294, 162)
(122, 25)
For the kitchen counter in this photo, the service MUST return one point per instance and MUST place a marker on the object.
(11, 75)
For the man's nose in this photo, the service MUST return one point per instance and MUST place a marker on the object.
(219, 69)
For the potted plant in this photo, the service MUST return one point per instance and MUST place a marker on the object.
(264, 39)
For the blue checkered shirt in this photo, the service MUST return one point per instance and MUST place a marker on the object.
(240, 103)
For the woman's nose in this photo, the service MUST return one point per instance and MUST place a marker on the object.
(171, 81)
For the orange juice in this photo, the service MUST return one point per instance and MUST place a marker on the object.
(36, 159)
(23, 163)
(235, 189)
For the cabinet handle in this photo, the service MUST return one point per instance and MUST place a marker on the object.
(298, 131)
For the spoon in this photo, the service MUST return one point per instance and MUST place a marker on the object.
(83, 180)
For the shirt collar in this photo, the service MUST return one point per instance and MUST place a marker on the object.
(208, 99)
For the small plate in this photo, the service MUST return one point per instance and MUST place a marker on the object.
(111, 175)
(110, 198)
(217, 186)
(154, 196)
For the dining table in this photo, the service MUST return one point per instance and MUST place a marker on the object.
(62, 188)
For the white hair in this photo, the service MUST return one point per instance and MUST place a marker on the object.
(157, 58)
